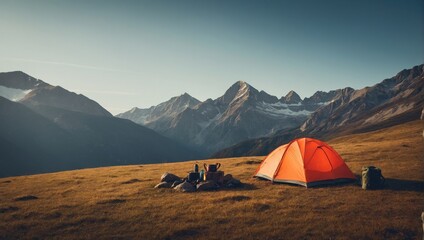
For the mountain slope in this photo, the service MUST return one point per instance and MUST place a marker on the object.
(61, 98)
(162, 114)
(51, 139)
(20, 80)
(393, 101)
(402, 94)
(19, 86)
(38, 135)
(30, 143)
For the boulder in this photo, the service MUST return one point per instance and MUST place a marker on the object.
(169, 177)
(185, 187)
(207, 186)
(164, 185)
(176, 183)
(233, 183)
(227, 178)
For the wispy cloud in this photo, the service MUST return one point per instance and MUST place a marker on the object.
(104, 92)
(74, 65)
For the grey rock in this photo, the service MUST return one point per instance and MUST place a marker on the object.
(169, 177)
(185, 187)
(233, 183)
(207, 186)
(164, 185)
(227, 178)
(176, 183)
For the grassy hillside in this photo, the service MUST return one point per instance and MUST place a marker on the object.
(120, 202)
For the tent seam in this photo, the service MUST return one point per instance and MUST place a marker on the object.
(328, 159)
(281, 161)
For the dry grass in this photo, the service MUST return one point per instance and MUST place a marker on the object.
(120, 202)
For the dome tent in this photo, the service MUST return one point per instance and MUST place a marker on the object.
(304, 161)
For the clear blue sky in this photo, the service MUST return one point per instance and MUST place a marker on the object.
(140, 53)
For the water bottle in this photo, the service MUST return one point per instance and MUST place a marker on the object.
(202, 175)
(196, 167)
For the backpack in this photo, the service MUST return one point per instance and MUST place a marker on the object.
(372, 178)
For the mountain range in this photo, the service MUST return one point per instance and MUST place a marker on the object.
(393, 101)
(241, 113)
(46, 128)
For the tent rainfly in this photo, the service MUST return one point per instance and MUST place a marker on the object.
(304, 161)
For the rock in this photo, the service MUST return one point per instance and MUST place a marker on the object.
(233, 183)
(169, 177)
(227, 178)
(185, 187)
(164, 185)
(176, 183)
(207, 186)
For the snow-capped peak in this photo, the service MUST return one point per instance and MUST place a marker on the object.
(13, 94)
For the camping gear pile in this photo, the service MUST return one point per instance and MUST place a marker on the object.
(305, 161)
(372, 178)
(205, 180)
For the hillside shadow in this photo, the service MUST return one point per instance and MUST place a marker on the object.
(404, 185)
(243, 187)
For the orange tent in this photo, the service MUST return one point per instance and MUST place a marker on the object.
(304, 161)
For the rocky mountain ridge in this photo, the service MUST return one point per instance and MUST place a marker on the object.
(241, 113)
(35, 92)
(393, 101)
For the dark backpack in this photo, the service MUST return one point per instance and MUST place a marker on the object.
(372, 178)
